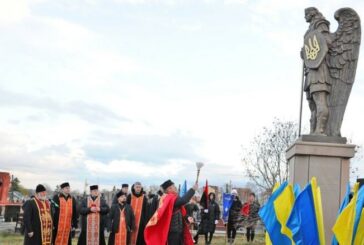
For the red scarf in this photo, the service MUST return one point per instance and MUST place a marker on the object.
(245, 210)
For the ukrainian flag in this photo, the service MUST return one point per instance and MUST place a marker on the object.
(358, 231)
(343, 205)
(275, 214)
(306, 219)
(359, 236)
(344, 225)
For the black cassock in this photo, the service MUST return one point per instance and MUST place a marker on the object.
(55, 207)
(175, 235)
(144, 215)
(84, 211)
(114, 221)
(32, 223)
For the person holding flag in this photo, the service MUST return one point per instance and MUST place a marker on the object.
(234, 216)
(210, 215)
(168, 224)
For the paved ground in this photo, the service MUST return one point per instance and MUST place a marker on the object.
(7, 227)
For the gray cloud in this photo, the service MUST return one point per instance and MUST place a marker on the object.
(104, 146)
(56, 163)
(89, 112)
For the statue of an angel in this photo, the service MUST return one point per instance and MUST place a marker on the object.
(330, 61)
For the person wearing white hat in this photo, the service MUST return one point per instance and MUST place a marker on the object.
(234, 214)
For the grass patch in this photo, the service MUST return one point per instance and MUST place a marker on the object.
(17, 239)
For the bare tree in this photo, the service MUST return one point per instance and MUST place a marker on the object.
(265, 159)
(355, 162)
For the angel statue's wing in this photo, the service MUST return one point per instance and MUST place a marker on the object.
(342, 60)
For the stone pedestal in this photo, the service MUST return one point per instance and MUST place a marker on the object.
(329, 163)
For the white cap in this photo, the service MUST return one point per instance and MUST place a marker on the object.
(234, 192)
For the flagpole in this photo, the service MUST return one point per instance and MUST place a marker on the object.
(226, 233)
(301, 99)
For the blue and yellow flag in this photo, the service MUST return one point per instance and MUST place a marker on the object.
(357, 232)
(274, 213)
(343, 205)
(283, 206)
(306, 219)
(359, 236)
(344, 225)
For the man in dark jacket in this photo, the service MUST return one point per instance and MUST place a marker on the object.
(234, 216)
(38, 219)
(121, 221)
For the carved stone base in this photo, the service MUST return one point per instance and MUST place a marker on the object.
(329, 163)
(323, 139)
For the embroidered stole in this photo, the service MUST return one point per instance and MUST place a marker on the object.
(93, 223)
(137, 206)
(121, 235)
(64, 221)
(46, 224)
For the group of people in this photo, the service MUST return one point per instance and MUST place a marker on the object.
(133, 218)
(242, 215)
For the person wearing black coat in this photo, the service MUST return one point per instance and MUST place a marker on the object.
(65, 196)
(209, 218)
(125, 189)
(137, 194)
(38, 219)
(153, 203)
(97, 206)
(253, 217)
(118, 211)
(234, 216)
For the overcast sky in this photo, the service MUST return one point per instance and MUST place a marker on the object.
(116, 91)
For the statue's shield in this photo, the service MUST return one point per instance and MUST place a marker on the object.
(314, 49)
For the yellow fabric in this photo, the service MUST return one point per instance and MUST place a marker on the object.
(359, 236)
(318, 210)
(344, 226)
(267, 239)
(283, 206)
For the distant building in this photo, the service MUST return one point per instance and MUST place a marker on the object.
(243, 193)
